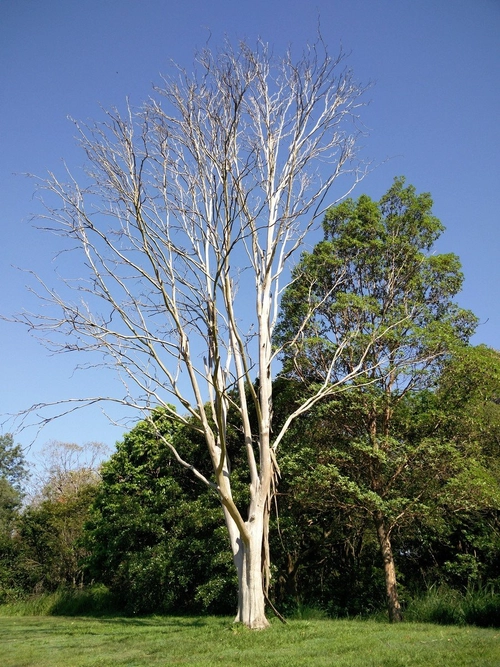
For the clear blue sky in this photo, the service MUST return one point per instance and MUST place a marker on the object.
(433, 116)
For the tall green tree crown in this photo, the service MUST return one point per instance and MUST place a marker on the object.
(380, 297)
(12, 463)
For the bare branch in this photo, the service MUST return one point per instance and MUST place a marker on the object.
(189, 211)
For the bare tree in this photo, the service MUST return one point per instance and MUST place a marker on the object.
(189, 211)
(63, 469)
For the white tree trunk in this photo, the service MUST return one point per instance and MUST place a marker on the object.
(251, 600)
(248, 557)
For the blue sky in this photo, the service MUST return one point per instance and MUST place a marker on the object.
(433, 116)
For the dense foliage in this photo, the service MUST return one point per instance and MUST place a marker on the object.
(12, 474)
(382, 303)
(43, 549)
(445, 498)
(153, 534)
(156, 535)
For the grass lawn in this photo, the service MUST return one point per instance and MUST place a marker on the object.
(43, 641)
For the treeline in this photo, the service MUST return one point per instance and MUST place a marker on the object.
(154, 536)
(388, 487)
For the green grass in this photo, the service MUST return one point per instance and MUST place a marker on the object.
(42, 641)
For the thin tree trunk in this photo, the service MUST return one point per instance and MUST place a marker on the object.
(391, 585)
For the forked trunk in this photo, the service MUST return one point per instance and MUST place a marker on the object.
(248, 559)
(391, 586)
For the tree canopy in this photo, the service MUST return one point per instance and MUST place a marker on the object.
(155, 535)
(381, 303)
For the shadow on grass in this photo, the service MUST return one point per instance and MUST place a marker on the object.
(163, 621)
(99, 603)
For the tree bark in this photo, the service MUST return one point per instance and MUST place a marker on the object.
(391, 585)
(247, 556)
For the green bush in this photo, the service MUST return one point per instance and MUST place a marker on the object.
(446, 606)
(482, 608)
(94, 601)
(156, 536)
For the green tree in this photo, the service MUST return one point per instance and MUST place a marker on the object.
(50, 535)
(470, 388)
(13, 473)
(468, 545)
(382, 303)
(50, 528)
(12, 463)
(155, 535)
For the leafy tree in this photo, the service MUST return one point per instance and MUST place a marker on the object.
(50, 528)
(470, 388)
(154, 538)
(12, 463)
(447, 533)
(13, 473)
(50, 533)
(466, 546)
(382, 303)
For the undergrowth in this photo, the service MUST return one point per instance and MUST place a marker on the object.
(445, 606)
(93, 601)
